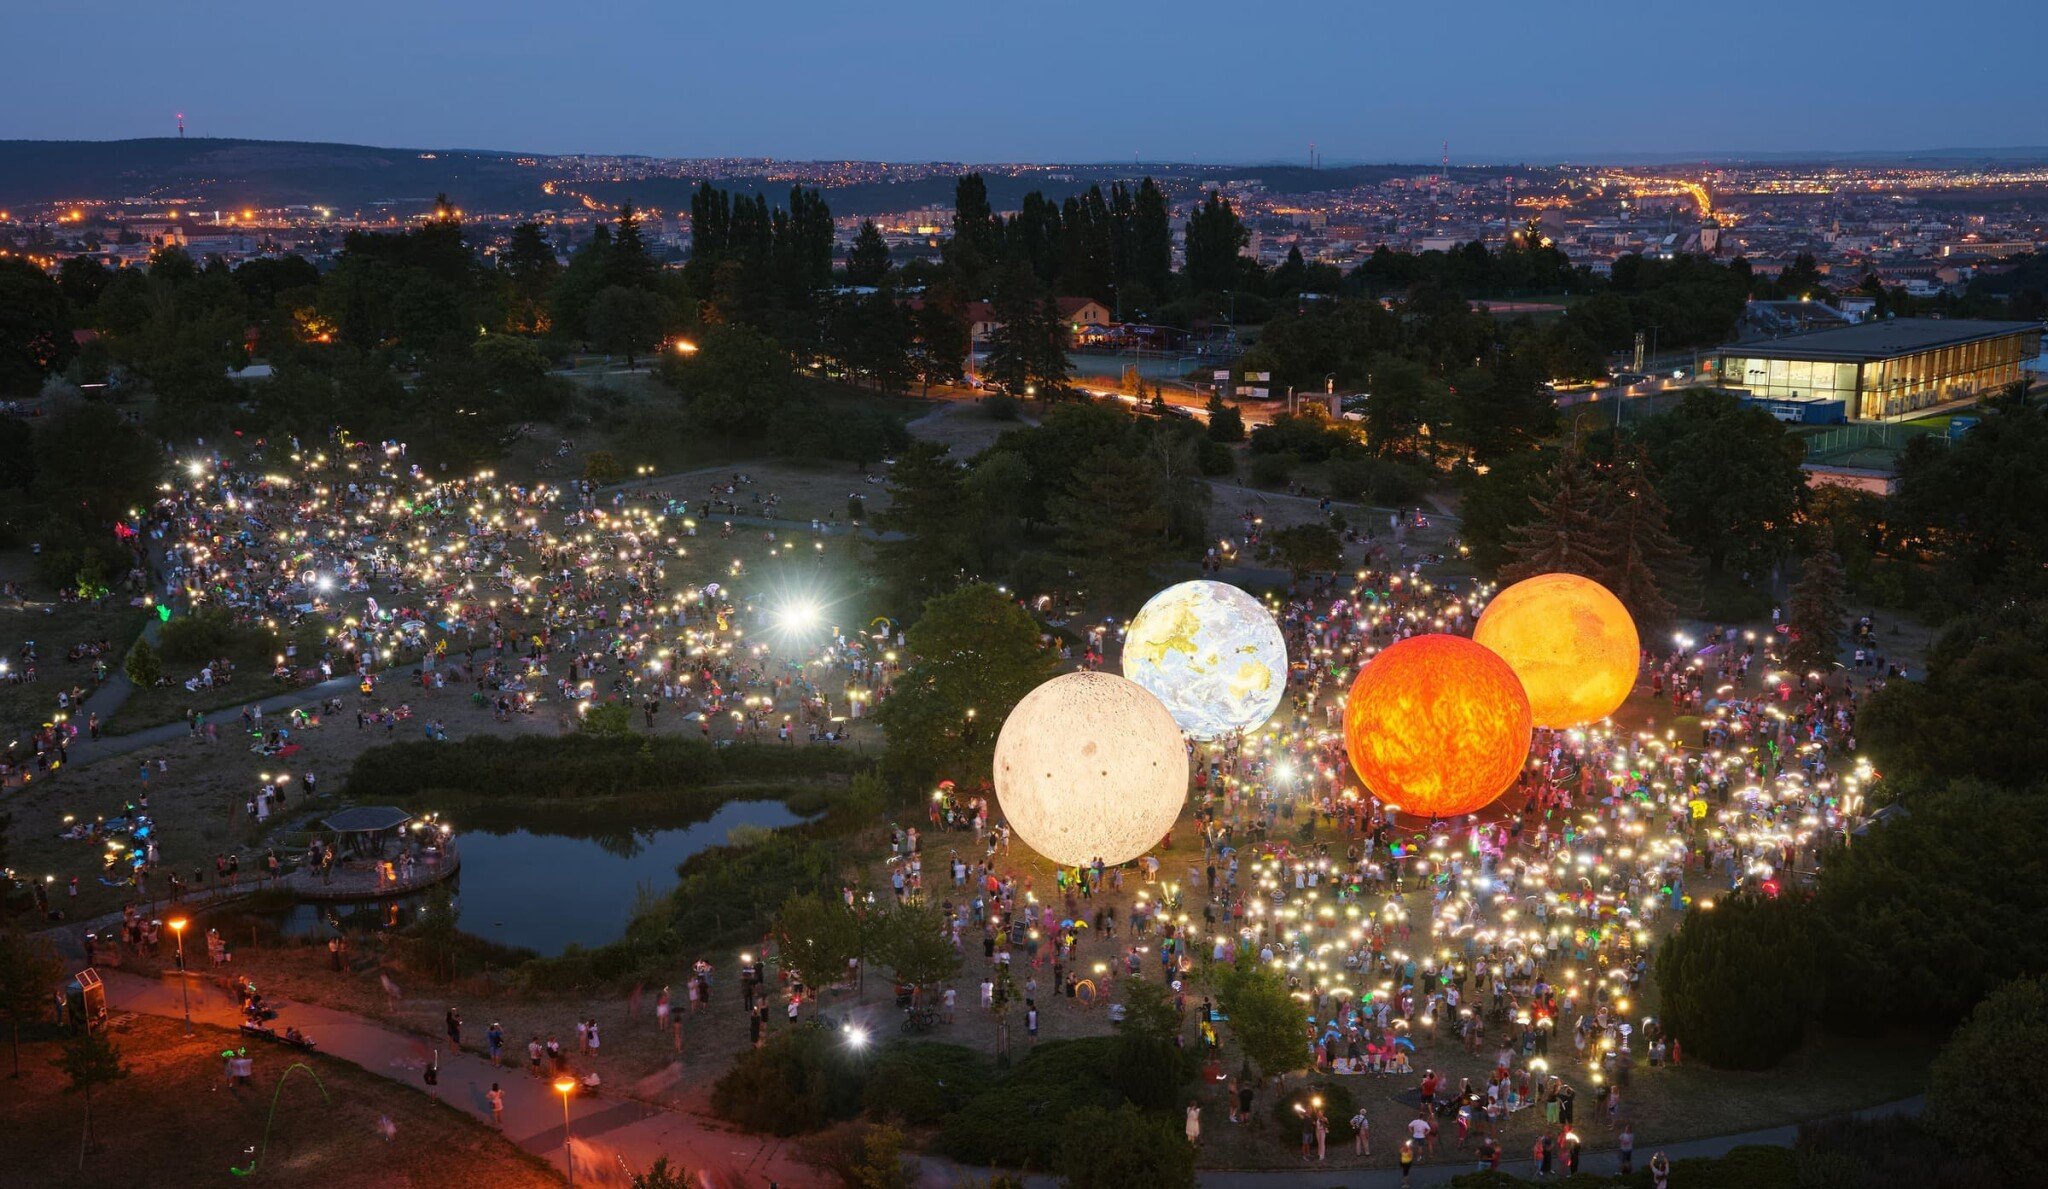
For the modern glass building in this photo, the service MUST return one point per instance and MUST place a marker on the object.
(1886, 369)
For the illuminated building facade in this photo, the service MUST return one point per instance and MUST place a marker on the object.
(1881, 370)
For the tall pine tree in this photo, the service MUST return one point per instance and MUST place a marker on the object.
(1817, 613)
(1566, 534)
(1648, 568)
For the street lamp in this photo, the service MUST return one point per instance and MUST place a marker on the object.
(566, 1087)
(177, 925)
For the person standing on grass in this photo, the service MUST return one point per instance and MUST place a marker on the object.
(1407, 1161)
(1361, 1134)
(1628, 1148)
(497, 1100)
(494, 1040)
(454, 1029)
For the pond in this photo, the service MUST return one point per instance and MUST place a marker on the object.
(546, 891)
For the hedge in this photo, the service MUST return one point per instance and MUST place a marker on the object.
(542, 767)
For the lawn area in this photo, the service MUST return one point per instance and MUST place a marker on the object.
(55, 625)
(172, 1123)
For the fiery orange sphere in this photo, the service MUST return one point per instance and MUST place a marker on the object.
(1570, 641)
(1437, 725)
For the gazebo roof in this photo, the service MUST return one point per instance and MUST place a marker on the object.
(365, 819)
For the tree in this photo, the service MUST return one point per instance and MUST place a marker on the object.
(530, 271)
(1149, 1070)
(1973, 508)
(1817, 613)
(1215, 236)
(1565, 535)
(625, 321)
(2002, 1047)
(1308, 547)
(1980, 710)
(30, 971)
(925, 549)
(1647, 568)
(867, 262)
(144, 667)
(1731, 476)
(818, 939)
(90, 1059)
(1226, 423)
(736, 383)
(911, 941)
(974, 654)
(1738, 980)
(93, 467)
(1922, 914)
(1265, 1019)
(1126, 1148)
(1111, 526)
(35, 327)
(1028, 349)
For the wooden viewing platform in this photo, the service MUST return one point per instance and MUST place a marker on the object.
(361, 880)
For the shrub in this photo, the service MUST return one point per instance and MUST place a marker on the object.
(1125, 1149)
(144, 667)
(2004, 1044)
(798, 1082)
(922, 1083)
(1739, 980)
(540, 767)
(212, 632)
(1337, 1103)
(1272, 470)
(602, 468)
(1022, 1121)
(1001, 406)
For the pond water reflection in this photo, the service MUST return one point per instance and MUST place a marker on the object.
(545, 891)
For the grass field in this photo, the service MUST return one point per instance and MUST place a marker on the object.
(55, 626)
(172, 1123)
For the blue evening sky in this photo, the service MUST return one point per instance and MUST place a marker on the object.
(1044, 80)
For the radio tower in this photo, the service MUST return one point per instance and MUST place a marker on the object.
(181, 125)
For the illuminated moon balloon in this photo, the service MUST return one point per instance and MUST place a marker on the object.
(1437, 725)
(1091, 766)
(1212, 654)
(1570, 641)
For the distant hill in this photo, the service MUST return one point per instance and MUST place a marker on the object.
(272, 173)
(232, 173)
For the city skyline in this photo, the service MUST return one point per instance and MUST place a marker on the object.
(918, 83)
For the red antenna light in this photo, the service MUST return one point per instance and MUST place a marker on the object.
(181, 125)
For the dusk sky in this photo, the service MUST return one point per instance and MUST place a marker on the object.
(1054, 80)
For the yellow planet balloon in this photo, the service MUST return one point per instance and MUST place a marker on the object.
(1570, 641)
(1091, 766)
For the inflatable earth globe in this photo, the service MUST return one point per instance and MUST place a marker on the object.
(1212, 654)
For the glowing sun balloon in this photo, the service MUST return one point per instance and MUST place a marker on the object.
(1091, 766)
(1570, 641)
(1212, 654)
(1437, 725)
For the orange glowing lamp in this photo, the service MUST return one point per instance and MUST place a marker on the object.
(1437, 726)
(1570, 641)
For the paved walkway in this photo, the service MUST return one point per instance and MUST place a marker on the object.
(611, 1133)
(606, 1130)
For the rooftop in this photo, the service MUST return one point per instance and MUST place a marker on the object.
(365, 819)
(1879, 340)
